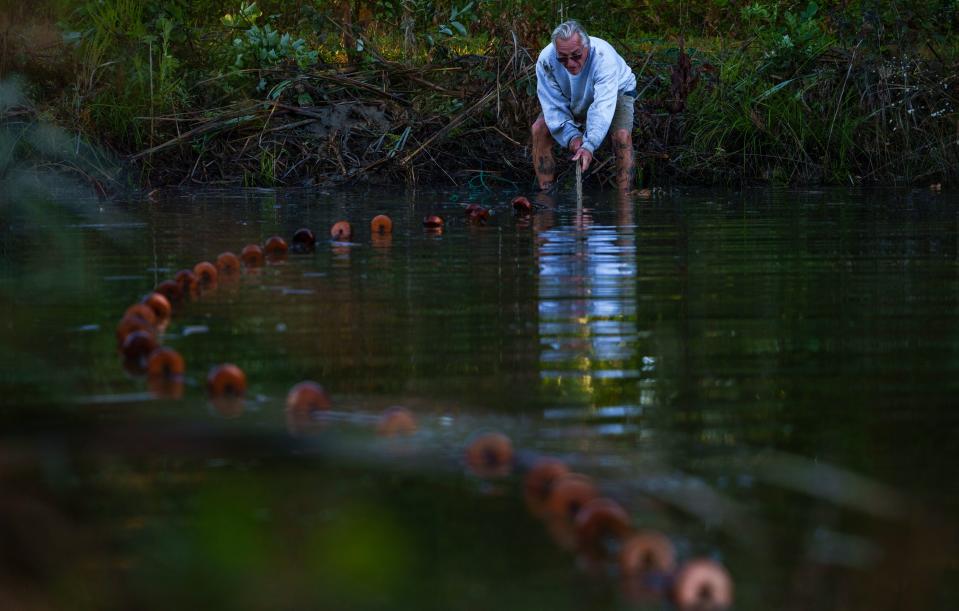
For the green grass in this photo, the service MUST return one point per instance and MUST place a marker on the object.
(801, 93)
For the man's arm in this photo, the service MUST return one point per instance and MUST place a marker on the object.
(556, 111)
(600, 114)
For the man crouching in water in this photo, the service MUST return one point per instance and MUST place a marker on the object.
(579, 78)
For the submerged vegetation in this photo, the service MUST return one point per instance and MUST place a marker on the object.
(320, 92)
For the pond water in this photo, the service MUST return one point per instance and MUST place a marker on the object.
(766, 377)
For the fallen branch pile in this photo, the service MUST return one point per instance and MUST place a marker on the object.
(380, 122)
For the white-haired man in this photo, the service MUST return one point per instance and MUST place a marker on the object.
(586, 90)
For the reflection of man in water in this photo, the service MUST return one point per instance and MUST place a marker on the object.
(588, 304)
(585, 89)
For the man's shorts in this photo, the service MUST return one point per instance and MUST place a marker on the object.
(622, 117)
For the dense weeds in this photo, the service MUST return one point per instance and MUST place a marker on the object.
(326, 93)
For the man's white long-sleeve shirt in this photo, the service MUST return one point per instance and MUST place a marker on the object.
(591, 93)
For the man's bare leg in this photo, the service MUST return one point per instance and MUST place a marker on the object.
(543, 163)
(625, 159)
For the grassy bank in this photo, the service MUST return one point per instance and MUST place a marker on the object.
(314, 92)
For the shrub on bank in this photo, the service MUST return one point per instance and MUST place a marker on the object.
(791, 92)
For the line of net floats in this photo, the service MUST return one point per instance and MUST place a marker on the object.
(570, 504)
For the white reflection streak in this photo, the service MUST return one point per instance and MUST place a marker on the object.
(587, 302)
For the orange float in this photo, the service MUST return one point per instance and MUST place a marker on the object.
(275, 249)
(570, 493)
(206, 275)
(308, 396)
(252, 255)
(304, 401)
(187, 281)
(433, 222)
(228, 265)
(341, 231)
(646, 552)
(477, 215)
(171, 290)
(165, 368)
(135, 349)
(226, 380)
(538, 483)
(396, 421)
(702, 585)
(599, 522)
(522, 206)
(160, 305)
(304, 241)
(226, 386)
(381, 225)
(490, 455)
(165, 364)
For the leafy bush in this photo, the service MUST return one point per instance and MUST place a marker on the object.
(790, 43)
(261, 48)
(265, 47)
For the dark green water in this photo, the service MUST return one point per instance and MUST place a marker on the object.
(767, 377)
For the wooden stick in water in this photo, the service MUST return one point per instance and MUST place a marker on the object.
(579, 183)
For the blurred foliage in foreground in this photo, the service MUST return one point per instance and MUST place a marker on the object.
(779, 91)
